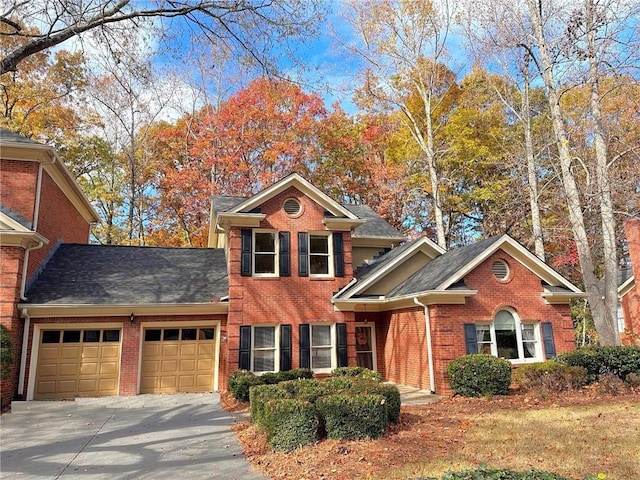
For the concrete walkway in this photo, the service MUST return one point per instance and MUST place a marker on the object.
(143, 437)
(415, 396)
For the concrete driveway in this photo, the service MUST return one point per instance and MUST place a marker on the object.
(144, 437)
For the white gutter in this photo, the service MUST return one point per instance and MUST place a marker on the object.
(23, 354)
(25, 266)
(427, 324)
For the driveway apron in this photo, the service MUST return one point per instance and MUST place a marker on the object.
(142, 437)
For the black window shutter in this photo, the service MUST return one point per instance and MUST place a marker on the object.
(305, 346)
(547, 338)
(338, 255)
(245, 258)
(285, 254)
(341, 342)
(285, 348)
(244, 359)
(303, 254)
(471, 337)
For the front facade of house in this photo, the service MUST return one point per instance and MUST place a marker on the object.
(292, 279)
(629, 289)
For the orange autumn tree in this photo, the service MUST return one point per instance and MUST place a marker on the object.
(262, 133)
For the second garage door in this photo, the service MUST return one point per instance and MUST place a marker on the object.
(178, 360)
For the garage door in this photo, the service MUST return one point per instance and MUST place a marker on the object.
(178, 360)
(77, 363)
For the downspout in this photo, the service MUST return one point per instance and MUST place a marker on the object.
(23, 355)
(23, 282)
(427, 324)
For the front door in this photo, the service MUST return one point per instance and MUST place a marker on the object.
(366, 345)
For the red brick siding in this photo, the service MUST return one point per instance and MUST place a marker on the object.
(18, 180)
(631, 301)
(58, 220)
(11, 261)
(285, 300)
(130, 356)
(405, 352)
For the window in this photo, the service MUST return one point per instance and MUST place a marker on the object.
(620, 316)
(321, 347)
(264, 252)
(320, 255)
(508, 338)
(264, 349)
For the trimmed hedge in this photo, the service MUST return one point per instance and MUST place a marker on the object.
(620, 361)
(6, 355)
(351, 384)
(353, 417)
(259, 395)
(479, 375)
(357, 372)
(550, 377)
(484, 473)
(240, 381)
(290, 423)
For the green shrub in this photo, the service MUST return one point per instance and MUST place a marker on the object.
(483, 473)
(353, 417)
(550, 376)
(478, 375)
(290, 423)
(259, 395)
(239, 383)
(304, 389)
(357, 372)
(620, 361)
(6, 352)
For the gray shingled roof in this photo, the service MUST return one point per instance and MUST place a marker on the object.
(15, 216)
(223, 203)
(9, 136)
(432, 275)
(113, 275)
(624, 274)
(375, 225)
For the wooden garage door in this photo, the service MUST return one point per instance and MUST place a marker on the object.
(77, 363)
(178, 360)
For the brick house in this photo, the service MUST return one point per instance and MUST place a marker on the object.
(629, 290)
(291, 279)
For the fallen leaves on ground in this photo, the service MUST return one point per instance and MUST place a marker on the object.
(433, 433)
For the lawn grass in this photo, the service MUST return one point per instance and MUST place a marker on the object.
(575, 441)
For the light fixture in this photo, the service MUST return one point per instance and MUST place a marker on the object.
(132, 318)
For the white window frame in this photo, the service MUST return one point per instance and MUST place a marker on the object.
(538, 357)
(254, 253)
(275, 348)
(620, 318)
(329, 254)
(372, 329)
(332, 347)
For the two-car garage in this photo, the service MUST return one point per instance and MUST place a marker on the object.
(85, 360)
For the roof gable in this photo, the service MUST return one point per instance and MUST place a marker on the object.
(296, 181)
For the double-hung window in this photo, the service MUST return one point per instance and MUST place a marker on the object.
(265, 248)
(320, 255)
(508, 338)
(264, 349)
(322, 348)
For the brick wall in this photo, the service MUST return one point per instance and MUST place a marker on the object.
(58, 221)
(11, 261)
(285, 300)
(130, 355)
(403, 331)
(18, 181)
(631, 301)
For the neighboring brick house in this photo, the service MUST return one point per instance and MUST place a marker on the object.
(629, 289)
(292, 279)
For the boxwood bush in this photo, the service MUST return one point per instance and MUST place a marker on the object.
(357, 372)
(550, 376)
(259, 395)
(620, 360)
(290, 423)
(353, 417)
(479, 375)
(239, 383)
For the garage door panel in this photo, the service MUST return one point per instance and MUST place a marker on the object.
(68, 367)
(185, 366)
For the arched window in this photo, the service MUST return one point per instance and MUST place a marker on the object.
(509, 338)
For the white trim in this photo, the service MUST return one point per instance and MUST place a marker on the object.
(539, 357)
(383, 304)
(374, 352)
(276, 253)
(296, 181)
(276, 349)
(35, 346)
(329, 255)
(13, 224)
(627, 286)
(334, 346)
(75, 310)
